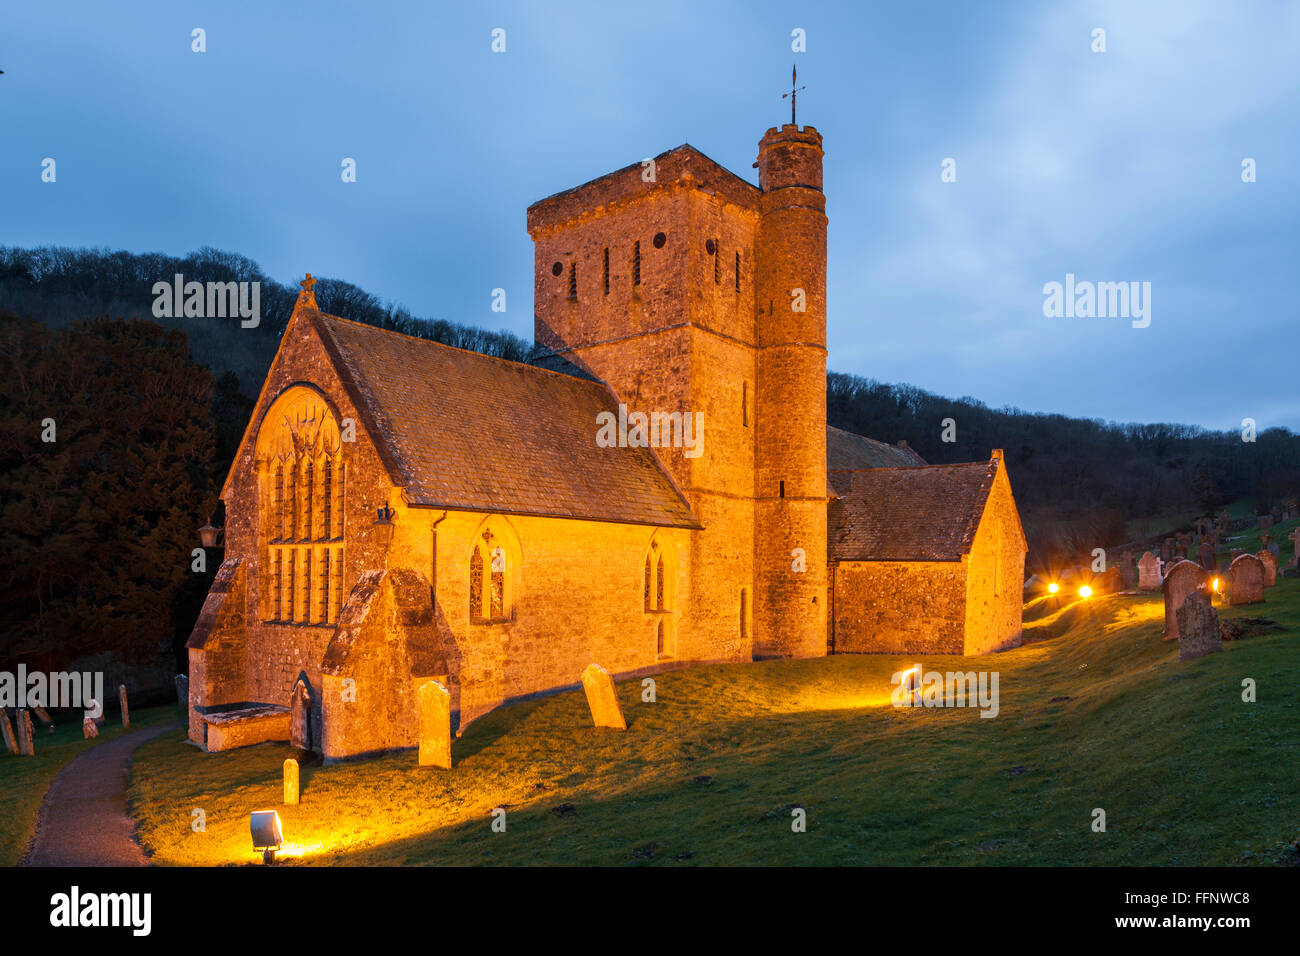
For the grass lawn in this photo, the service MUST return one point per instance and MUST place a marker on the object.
(24, 780)
(1096, 712)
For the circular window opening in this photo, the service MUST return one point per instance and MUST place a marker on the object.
(710, 247)
(660, 239)
(556, 269)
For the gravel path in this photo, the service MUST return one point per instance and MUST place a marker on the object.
(83, 819)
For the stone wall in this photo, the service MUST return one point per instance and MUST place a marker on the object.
(995, 574)
(900, 607)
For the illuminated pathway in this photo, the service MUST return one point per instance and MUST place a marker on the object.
(83, 819)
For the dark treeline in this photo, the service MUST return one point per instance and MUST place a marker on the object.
(59, 285)
(1080, 483)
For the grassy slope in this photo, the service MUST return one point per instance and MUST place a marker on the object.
(24, 780)
(1186, 771)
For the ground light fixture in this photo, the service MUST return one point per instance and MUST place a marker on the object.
(1085, 592)
(1053, 588)
(264, 827)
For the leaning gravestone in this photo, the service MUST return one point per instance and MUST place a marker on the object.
(1198, 628)
(434, 704)
(291, 781)
(1183, 580)
(1205, 554)
(121, 700)
(300, 717)
(1295, 542)
(1269, 560)
(89, 729)
(26, 745)
(1246, 580)
(1149, 572)
(601, 698)
(7, 731)
(44, 717)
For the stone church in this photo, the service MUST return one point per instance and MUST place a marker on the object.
(659, 487)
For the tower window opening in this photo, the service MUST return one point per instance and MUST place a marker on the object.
(737, 271)
(660, 239)
(573, 281)
(744, 404)
(636, 262)
(717, 264)
(782, 489)
(607, 270)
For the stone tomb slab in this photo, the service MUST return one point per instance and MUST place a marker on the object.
(602, 698)
(434, 703)
(245, 726)
(1183, 580)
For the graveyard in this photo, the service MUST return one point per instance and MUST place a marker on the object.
(1096, 712)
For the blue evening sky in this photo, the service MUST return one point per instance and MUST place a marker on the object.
(1115, 166)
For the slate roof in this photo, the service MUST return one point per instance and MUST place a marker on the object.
(846, 452)
(925, 513)
(462, 430)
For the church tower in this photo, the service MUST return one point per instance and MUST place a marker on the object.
(671, 281)
(790, 446)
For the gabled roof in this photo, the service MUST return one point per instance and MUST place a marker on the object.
(458, 429)
(925, 513)
(847, 452)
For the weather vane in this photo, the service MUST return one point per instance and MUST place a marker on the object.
(794, 92)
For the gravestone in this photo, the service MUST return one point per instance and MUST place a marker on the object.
(121, 701)
(1205, 553)
(7, 731)
(89, 729)
(44, 717)
(26, 745)
(1128, 571)
(601, 698)
(1149, 572)
(1246, 580)
(300, 717)
(291, 781)
(1235, 554)
(1295, 548)
(1198, 628)
(1184, 579)
(1269, 560)
(434, 704)
(1264, 539)
(1109, 581)
(1166, 549)
(182, 690)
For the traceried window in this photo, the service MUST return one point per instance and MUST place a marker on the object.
(658, 591)
(300, 454)
(493, 572)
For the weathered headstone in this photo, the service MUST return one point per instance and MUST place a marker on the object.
(1149, 572)
(291, 781)
(1183, 579)
(1295, 543)
(1246, 580)
(1205, 554)
(7, 731)
(300, 717)
(44, 717)
(1128, 571)
(1166, 549)
(434, 704)
(89, 729)
(1109, 581)
(1264, 540)
(1269, 560)
(1198, 628)
(121, 701)
(601, 698)
(1235, 553)
(26, 745)
(182, 690)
